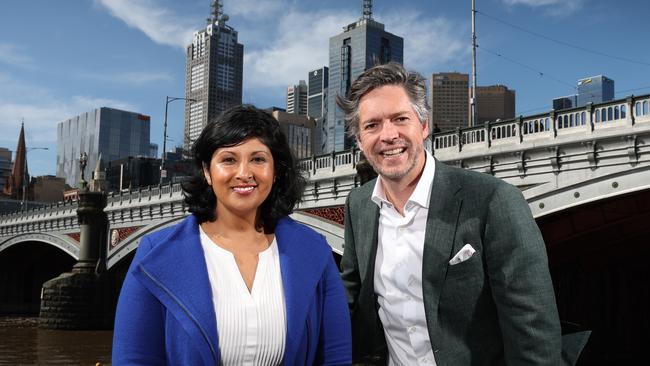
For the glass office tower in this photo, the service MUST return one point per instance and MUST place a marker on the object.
(595, 89)
(113, 133)
(362, 44)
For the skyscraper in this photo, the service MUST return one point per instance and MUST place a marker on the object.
(595, 89)
(449, 100)
(362, 45)
(214, 73)
(297, 98)
(110, 132)
(494, 102)
(317, 105)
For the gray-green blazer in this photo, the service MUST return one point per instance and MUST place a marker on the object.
(496, 308)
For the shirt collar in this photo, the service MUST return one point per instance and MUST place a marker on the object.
(422, 193)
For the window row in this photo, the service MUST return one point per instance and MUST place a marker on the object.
(571, 120)
(610, 113)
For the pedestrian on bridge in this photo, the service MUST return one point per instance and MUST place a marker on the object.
(237, 282)
(442, 266)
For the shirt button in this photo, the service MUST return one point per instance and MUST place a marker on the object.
(408, 297)
(411, 329)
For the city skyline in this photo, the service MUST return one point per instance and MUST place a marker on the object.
(60, 60)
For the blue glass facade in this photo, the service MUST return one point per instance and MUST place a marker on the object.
(596, 89)
(362, 45)
(113, 133)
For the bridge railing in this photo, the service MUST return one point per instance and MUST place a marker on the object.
(585, 122)
(547, 126)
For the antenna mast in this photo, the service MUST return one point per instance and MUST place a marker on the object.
(217, 11)
(473, 97)
(367, 10)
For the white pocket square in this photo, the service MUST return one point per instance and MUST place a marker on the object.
(465, 253)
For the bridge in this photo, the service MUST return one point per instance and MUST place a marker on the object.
(585, 173)
(561, 159)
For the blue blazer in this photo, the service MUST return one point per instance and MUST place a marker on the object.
(165, 313)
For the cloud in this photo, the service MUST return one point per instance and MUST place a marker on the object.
(41, 111)
(158, 23)
(431, 44)
(133, 78)
(13, 55)
(552, 7)
(300, 44)
(254, 9)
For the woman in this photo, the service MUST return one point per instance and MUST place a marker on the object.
(238, 282)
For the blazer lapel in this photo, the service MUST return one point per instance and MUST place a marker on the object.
(442, 220)
(176, 273)
(298, 276)
(367, 246)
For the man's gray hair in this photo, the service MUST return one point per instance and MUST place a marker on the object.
(388, 74)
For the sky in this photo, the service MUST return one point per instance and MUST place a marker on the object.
(59, 59)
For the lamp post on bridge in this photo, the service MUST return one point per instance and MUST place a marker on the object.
(23, 202)
(168, 100)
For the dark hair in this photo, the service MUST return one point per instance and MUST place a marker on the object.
(391, 73)
(229, 129)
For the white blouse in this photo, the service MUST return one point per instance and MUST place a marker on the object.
(251, 325)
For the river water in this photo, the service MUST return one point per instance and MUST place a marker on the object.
(23, 343)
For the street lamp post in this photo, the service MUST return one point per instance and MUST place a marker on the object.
(168, 100)
(25, 173)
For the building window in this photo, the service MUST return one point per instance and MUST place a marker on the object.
(346, 60)
(385, 51)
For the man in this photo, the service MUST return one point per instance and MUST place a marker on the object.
(442, 266)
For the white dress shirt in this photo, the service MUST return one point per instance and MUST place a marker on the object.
(398, 272)
(251, 325)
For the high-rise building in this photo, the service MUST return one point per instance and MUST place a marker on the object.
(113, 133)
(317, 105)
(494, 102)
(362, 44)
(297, 98)
(595, 89)
(214, 73)
(449, 100)
(299, 131)
(570, 101)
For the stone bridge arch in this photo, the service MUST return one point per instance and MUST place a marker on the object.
(62, 242)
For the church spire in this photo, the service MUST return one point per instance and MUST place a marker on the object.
(15, 182)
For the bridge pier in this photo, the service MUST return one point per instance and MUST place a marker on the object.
(80, 299)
